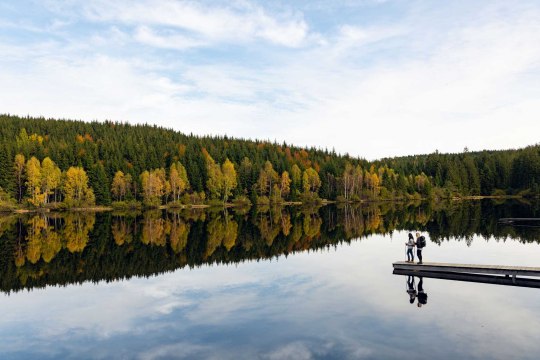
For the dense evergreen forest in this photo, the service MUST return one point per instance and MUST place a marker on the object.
(61, 163)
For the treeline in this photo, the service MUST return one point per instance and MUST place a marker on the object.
(44, 162)
(476, 173)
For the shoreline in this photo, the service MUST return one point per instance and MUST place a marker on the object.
(98, 208)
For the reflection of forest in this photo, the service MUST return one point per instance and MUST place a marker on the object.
(68, 248)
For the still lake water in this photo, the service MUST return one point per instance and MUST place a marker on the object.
(269, 284)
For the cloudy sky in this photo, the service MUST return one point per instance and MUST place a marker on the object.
(367, 77)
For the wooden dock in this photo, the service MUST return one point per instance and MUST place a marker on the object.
(514, 220)
(512, 271)
(474, 278)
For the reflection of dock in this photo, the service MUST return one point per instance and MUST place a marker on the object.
(517, 220)
(476, 278)
(512, 271)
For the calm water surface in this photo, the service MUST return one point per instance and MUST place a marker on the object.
(268, 284)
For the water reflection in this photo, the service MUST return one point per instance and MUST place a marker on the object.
(63, 248)
(339, 302)
(464, 277)
(420, 296)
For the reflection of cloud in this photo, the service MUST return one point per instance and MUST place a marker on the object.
(176, 351)
(343, 303)
(318, 349)
(295, 350)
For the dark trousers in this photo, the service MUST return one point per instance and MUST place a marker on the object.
(419, 254)
(410, 282)
(410, 255)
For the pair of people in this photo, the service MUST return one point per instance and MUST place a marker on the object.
(419, 243)
(413, 294)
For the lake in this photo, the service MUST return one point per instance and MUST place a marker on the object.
(267, 283)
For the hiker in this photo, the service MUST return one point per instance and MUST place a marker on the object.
(420, 244)
(422, 296)
(411, 290)
(410, 246)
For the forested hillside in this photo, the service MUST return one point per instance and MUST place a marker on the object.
(44, 163)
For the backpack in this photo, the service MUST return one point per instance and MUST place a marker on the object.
(421, 242)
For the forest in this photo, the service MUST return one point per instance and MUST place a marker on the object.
(59, 164)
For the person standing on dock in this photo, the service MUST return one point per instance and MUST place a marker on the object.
(422, 296)
(411, 289)
(410, 246)
(420, 244)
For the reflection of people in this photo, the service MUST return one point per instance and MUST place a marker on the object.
(420, 243)
(410, 246)
(422, 296)
(410, 289)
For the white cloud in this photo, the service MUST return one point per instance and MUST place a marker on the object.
(371, 90)
(147, 36)
(211, 23)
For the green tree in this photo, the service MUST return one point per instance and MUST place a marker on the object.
(19, 175)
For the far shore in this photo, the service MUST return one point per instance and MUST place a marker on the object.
(323, 202)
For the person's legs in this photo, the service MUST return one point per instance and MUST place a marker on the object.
(410, 282)
(410, 255)
(419, 254)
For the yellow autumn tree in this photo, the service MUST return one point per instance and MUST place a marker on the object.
(154, 186)
(311, 181)
(296, 176)
(286, 224)
(214, 183)
(50, 178)
(76, 189)
(178, 180)
(179, 234)
(285, 185)
(231, 232)
(34, 238)
(33, 182)
(120, 185)
(229, 179)
(121, 231)
(215, 230)
(155, 229)
(52, 244)
(76, 229)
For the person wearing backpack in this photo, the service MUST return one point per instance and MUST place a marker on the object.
(422, 296)
(420, 245)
